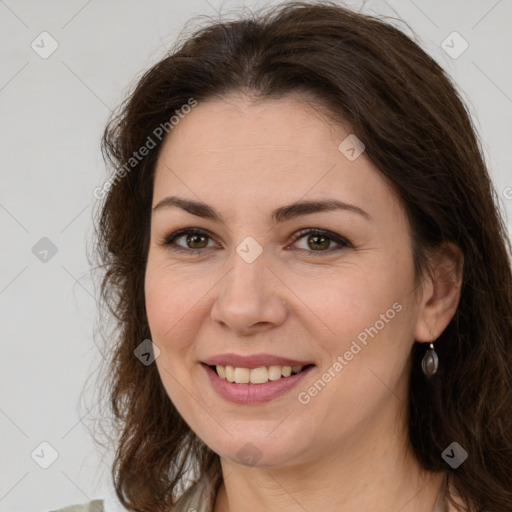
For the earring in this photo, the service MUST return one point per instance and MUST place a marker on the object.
(430, 361)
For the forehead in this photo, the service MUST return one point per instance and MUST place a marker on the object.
(233, 149)
(238, 123)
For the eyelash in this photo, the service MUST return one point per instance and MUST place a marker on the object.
(342, 242)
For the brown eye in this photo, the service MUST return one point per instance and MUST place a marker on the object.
(319, 241)
(194, 240)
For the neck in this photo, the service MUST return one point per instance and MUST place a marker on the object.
(359, 475)
(308, 488)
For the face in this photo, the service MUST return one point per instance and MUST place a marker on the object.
(246, 280)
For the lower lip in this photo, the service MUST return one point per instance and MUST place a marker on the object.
(253, 393)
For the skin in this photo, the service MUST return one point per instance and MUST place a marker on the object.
(347, 448)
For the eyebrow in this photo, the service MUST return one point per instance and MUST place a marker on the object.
(281, 214)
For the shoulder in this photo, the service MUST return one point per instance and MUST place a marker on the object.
(92, 506)
(197, 498)
(444, 503)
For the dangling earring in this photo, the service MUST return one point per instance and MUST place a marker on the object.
(430, 361)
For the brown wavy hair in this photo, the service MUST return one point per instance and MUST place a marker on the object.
(419, 134)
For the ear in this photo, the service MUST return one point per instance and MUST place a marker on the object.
(440, 293)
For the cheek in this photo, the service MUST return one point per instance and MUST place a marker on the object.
(367, 314)
(169, 306)
(164, 309)
(172, 302)
(353, 298)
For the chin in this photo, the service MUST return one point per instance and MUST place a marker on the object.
(254, 447)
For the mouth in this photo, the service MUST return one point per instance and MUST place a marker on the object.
(242, 385)
(257, 376)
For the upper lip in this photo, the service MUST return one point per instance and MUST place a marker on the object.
(254, 361)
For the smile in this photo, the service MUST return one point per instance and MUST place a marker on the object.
(259, 375)
(241, 385)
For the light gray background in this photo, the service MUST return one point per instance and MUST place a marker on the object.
(52, 114)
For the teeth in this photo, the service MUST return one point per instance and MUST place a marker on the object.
(230, 374)
(242, 375)
(274, 372)
(259, 375)
(221, 370)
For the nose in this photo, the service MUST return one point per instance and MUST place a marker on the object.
(249, 298)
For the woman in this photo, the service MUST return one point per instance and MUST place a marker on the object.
(302, 223)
